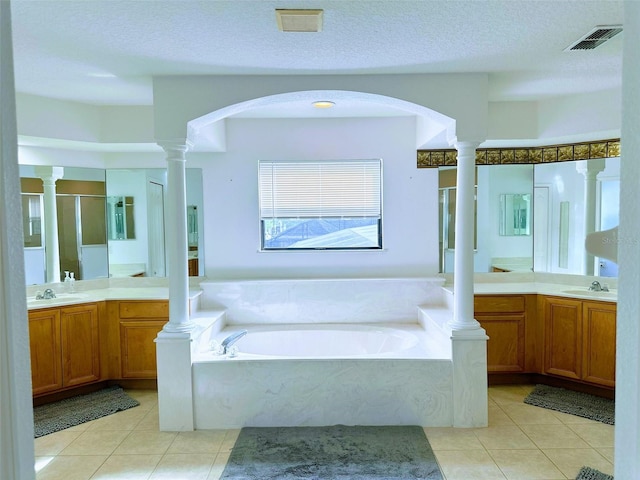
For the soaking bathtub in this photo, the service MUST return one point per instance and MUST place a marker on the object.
(323, 374)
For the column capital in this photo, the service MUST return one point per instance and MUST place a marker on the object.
(176, 149)
(590, 168)
(49, 174)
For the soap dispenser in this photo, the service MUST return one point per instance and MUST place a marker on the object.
(67, 281)
(72, 282)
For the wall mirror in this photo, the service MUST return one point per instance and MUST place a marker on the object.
(120, 218)
(515, 214)
(90, 243)
(556, 217)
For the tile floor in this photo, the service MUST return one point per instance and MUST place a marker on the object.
(522, 442)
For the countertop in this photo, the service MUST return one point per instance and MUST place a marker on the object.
(555, 289)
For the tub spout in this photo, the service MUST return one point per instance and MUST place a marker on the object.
(231, 339)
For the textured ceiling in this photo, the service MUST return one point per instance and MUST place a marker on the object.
(105, 52)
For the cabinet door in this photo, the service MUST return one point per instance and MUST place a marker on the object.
(599, 343)
(563, 335)
(44, 342)
(138, 348)
(80, 344)
(505, 348)
(503, 317)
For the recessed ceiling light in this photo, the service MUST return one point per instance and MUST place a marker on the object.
(323, 104)
(290, 20)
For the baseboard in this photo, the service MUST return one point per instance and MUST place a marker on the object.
(136, 384)
(534, 378)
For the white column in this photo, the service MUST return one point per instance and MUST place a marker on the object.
(463, 255)
(173, 344)
(590, 170)
(176, 222)
(16, 411)
(627, 431)
(468, 338)
(49, 176)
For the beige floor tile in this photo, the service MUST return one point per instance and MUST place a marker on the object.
(146, 443)
(199, 441)
(553, 436)
(151, 421)
(595, 434)
(54, 443)
(505, 394)
(498, 417)
(468, 465)
(95, 443)
(524, 414)
(230, 438)
(148, 398)
(503, 437)
(125, 420)
(571, 419)
(190, 466)
(127, 467)
(570, 460)
(71, 467)
(448, 438)
(218, 466)
(526, 465)
(606, 452)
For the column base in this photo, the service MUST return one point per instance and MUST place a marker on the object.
(175, 386)
(470, 396)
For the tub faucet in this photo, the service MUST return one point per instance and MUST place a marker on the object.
(231, 339)
(596, 287)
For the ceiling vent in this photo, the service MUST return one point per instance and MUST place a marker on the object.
(299, 20)
(596, 37)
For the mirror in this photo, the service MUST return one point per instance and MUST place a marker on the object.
(555, 199)
(120, 219)
(493, 251)
(515, 214)
(95, 242)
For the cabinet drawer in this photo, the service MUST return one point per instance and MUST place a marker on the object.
(144, 309)
(498, 303)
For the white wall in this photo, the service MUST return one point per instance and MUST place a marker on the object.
(410, 217)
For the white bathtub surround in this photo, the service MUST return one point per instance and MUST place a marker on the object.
(359, 300)
(312, 375)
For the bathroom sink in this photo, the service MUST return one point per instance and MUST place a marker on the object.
(592, 294)
(60, 298)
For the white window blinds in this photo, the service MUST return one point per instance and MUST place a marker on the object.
(348, 188)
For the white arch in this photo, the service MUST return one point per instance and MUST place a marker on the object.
(348, 103)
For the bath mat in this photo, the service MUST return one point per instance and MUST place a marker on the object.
(575, 403)
(80, 409)
(588, 473)
(328, 453)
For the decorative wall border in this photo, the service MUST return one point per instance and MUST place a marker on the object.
(525, 155)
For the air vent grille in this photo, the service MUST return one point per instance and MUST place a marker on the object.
(299, 20)
(595, 37)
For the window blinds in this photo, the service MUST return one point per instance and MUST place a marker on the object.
(348, 188)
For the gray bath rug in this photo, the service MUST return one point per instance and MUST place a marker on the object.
(80, 409)
(575, 403)
(588, 473)
(331, 453)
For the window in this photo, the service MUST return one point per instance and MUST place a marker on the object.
(321, 205)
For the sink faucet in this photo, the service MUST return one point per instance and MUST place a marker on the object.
(596, 287)
(47, 295)
(231, 339)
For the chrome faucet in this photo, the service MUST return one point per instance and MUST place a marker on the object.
(596, 287)
(47, 295)
(231, 339)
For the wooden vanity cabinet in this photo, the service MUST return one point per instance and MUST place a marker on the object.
(580, 340)
(65, 349)
(508, 321)
(140, 321)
